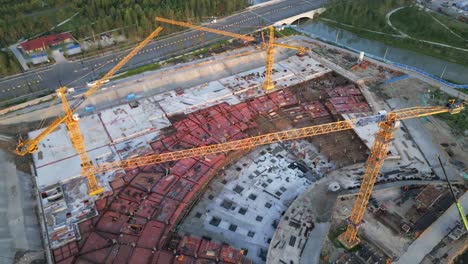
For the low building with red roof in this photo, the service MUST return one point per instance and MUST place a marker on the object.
(42, 43)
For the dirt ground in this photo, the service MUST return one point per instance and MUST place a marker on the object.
(455, 146)
(373, 233)
(417, 93)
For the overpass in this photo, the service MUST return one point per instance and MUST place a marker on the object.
(76, 73)
(308, 15)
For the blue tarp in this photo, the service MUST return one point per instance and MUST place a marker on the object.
(396, 79)
(131, 96)
(38, 55)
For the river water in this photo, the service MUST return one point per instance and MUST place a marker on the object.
(435, 66)
(256, 2)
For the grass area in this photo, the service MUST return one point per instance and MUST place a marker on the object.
(14, 103)
(465, 91)
(459, 122)
(370, 15)
(286, 32)
(411, 19)
(447, 54)
(333, 236)
(457, 26)
(138, 70)
(366, 14)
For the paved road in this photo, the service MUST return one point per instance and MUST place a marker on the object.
(67, 73)
(434, 234)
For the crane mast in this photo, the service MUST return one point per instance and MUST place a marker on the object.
(270, 47)
(71, 121)
(270, 58)
(30, 145)
(388, 123)
(87, 168)
(374, 162)
(270, 138)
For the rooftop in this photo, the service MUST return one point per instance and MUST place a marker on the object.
(45, 41)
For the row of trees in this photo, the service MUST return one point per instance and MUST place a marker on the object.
(8, 64)
(133, 17)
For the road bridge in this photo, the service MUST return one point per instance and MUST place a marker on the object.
(77, 73)
(306, 15)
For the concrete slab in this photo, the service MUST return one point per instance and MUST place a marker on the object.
(57, 145)
(196, 98)
(70, 166)
(249, 197)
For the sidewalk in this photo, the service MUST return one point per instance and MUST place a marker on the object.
(19, 56)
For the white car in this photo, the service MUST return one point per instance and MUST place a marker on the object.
(91, 84)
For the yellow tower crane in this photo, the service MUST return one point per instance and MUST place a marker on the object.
(71, 121)
(270, 58)
(387, 122)
(378, 152)
(270, 47)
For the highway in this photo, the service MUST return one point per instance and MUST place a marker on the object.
(77, 73)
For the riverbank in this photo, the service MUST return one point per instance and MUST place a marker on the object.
(436, 66)
(402, 25)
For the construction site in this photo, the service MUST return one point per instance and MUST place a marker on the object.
(254, 154)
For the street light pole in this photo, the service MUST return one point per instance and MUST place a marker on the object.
(443, 72)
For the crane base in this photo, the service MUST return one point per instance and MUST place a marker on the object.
(347, 245)
(267, 86)
(96, 192)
